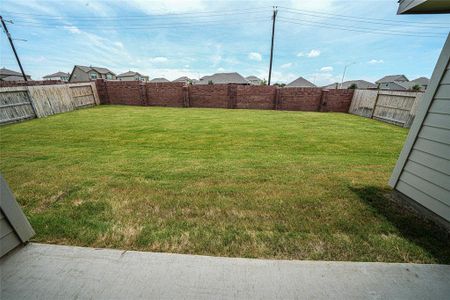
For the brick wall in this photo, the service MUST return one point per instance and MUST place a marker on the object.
(223, 96)
(102, 91)
(304, 99)
(165, 94)
(125, 92)
(338, 100)
(215, 95)
(256, 96)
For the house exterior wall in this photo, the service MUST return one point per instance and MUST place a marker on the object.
(8, 237)
(423, 169)
(79, 75)
(130, 78)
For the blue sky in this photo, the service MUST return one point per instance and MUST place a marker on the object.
(171, 38)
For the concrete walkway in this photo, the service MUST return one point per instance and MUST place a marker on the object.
(60, 272)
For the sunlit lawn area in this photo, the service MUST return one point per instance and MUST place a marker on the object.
(248, 183)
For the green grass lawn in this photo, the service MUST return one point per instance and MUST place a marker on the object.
(271, 184)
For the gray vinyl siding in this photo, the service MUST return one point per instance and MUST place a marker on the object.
(425, 177)
(8, 237)
(79, 75)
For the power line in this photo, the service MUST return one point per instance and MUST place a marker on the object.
(141, 26)
(356, 29)
(193, 14)
(384, 23)
(363, 18)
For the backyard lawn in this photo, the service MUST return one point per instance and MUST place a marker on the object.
(247, 183)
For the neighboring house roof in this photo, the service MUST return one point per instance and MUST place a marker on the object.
(422, 7)
(182, 79)
(57, 74)
(395, 85)
(160, 79)
(408, 85)
(224, 78)
(392, 78)
(97, 69)
(360, 84)
(12, 78)
(4, 73)
(301, 82)
(130, 73)
(253, 79)
(7, 72)
(421, 81)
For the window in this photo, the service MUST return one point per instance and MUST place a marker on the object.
(93, 75)
(109, 76)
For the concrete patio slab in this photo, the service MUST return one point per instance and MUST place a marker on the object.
(40, 271)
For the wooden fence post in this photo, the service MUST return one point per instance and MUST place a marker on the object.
(375, 104)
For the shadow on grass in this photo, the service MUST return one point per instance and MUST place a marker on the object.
(410, 225)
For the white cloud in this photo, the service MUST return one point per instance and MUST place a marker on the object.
(287, 65)
(310, 54)
(220, 69)
(73, 29)
(313, 53)
(314, 5)
(375, 61)
(326, 69)
(255, 56)
(119, 45)
(159, 59)
(167, 6)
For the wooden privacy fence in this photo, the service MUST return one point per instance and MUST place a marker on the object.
(396, 107)
(28, 102)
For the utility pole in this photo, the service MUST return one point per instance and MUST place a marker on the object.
(13, 48)
(275, 11)
(343, 74)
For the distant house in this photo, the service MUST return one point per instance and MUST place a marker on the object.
(10, 75)
(130, 75)
(392, 82)
(223, 78)
(57, 76)
(83, 73)
(423, 82)
(360, 84)
(301, 82)
(160, 79)
(183, 79)
(253, 80)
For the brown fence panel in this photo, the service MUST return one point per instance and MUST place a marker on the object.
(395, 107)
(15, 105)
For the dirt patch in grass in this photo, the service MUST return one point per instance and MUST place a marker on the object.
(270, 184)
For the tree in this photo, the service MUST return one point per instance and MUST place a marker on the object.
(416, 88)
(353, 86)
(210, 82)
(263, 82)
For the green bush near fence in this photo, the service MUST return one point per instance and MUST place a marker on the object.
(272, 184)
